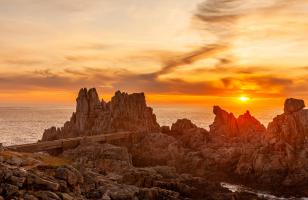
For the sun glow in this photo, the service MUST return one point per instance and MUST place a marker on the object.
(244, 98)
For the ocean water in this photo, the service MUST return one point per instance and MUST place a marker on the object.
(26, 124)
(260, 194)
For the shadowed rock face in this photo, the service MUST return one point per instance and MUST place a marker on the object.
(125, 112)
(182, 125)
(228, 125)
(290, 127)
(282, 159)
(292, 105)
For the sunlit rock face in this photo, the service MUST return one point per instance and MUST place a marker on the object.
(125, 112)
(228, 125)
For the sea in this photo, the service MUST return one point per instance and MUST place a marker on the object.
(26, 124)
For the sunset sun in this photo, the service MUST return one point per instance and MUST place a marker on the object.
(244, 98)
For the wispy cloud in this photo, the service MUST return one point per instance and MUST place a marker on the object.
(191, 57)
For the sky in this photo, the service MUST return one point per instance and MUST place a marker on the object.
(176, 51)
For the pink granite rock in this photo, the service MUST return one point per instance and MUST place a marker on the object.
(228, 125)
(125, 112)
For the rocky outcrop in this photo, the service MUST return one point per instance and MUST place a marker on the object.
(75, 177)
(281, 161)
(39, 179)
(125, 112)
(156, 160)
(291, 127)
(224, 123)
(249, 125)
(238, 149)
(292, 105)
(227, 124)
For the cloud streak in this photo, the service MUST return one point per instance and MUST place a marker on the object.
(109, 80)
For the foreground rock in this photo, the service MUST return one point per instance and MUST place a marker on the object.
(101, 171)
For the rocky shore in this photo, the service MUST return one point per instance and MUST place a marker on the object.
(182, 161)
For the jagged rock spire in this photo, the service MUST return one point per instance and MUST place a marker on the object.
(125, 112)
(227, 124)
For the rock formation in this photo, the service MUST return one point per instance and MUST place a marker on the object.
(125, 112)
(227, 124)
(282, 160)
(97, 171)
(290, 127)
(224, 123)
(292, 105)
(153, 164)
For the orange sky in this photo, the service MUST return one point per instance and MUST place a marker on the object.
(176, 51)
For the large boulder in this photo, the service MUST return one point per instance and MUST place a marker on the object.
(281, 160)
(125, 112)
(292, 105)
